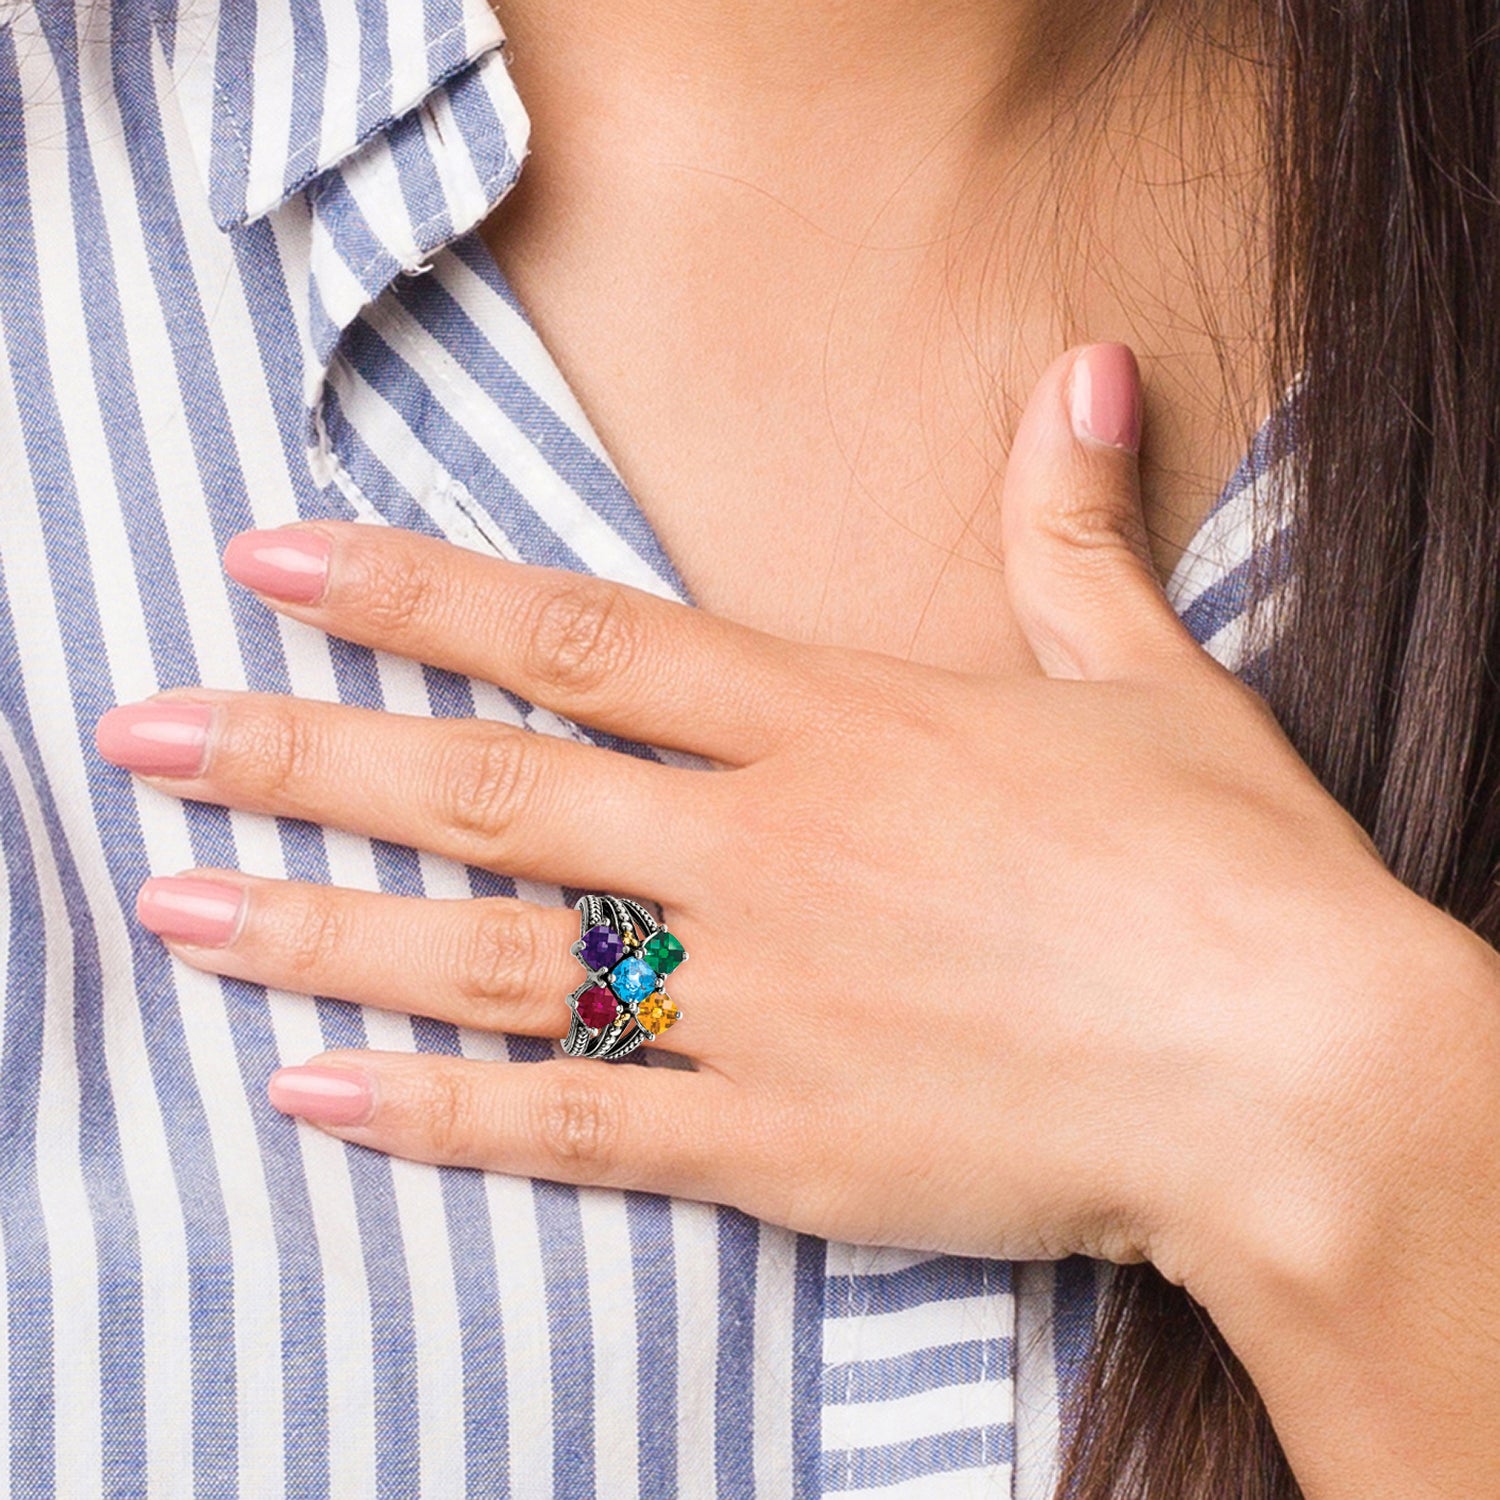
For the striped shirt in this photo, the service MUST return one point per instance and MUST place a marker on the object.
(240, 285)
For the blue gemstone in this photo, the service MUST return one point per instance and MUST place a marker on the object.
(601, 947)
(633, 980)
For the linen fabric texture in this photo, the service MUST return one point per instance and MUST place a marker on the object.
(240, 285)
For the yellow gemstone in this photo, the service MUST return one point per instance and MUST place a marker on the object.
(656, 1012)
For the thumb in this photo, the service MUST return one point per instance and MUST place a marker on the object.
(1077, 565)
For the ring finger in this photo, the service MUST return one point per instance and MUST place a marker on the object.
(493, 964)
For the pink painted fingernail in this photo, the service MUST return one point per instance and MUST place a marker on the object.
(322, 1096)
(290, 564)
(204, 912)
(156, 739)
(1105, 398)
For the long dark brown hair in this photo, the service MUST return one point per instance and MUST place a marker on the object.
(1383, 137)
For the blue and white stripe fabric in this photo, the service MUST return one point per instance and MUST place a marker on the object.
(239, 285)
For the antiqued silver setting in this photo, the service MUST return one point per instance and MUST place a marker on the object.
(633, 923)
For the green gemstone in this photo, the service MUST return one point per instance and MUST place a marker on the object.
(662, 951)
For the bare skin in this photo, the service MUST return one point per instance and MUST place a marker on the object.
(1261, 1063)
(804, 262)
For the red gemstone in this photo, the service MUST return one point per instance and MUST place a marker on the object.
(597, 1007)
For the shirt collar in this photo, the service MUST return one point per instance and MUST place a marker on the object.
(369, 133)
(279, 92)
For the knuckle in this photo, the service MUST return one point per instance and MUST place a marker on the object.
(500, 956)
(271, 750)
(577, 1124)
(852, 693)
(452, 1118)
(487, 781)
(396, 591)
(583, 636)
(1088, 529)
(892, 707)
(312, 931)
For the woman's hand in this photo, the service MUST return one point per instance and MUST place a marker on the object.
(1084, 960)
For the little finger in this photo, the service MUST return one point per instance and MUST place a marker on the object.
(661, 1130)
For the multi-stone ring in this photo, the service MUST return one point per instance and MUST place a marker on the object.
(628, 955)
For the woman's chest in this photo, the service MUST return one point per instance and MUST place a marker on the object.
(820, 442)
(881, 533)
(885, 535)
(892, 545)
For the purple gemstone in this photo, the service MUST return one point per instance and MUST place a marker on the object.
(597, 1007)
(602, 948)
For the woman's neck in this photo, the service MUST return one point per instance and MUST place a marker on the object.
(803, 262)
(736, 49)
(921, 75)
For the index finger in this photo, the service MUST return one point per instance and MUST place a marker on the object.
(602, 653)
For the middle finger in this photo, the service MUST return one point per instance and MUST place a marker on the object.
(487, 794)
